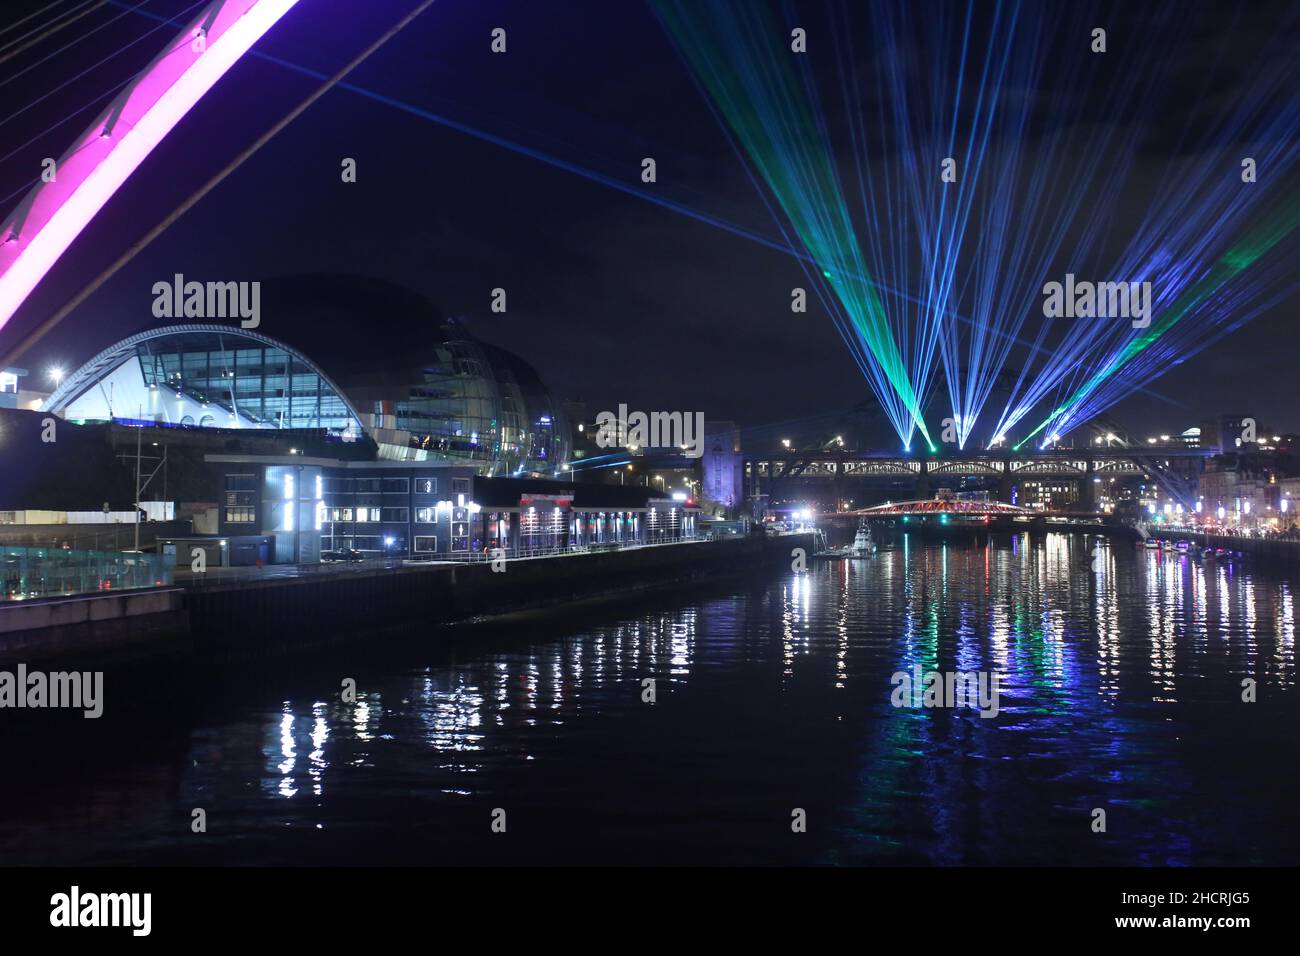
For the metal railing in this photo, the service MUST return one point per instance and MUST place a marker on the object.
(214, 575)
(221, 575)
(591, 547)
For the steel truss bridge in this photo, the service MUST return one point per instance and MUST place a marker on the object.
(1175, 469)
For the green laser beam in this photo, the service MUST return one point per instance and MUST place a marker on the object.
(786, 148)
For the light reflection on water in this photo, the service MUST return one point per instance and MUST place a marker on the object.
(1121, 688)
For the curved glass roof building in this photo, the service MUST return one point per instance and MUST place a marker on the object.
(341, 354)
(205, 376)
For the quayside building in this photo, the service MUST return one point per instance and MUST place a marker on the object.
(352, 418)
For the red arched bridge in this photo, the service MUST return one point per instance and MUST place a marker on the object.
(942, 506)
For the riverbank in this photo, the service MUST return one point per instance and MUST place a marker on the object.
(1277, 550)
(279, 614)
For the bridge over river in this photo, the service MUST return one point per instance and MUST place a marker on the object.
(961, 514)
(1176, 469)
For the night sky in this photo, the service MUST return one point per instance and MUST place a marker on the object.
(613, 299)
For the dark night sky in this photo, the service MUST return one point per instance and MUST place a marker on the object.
(611, 297)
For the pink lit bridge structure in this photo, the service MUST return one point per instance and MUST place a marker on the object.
(104, 156)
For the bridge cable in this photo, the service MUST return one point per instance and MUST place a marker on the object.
(48, 33)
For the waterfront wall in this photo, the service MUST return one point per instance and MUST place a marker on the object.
(148, 620)
(274, 615)
(1273, 550)
(277, 614)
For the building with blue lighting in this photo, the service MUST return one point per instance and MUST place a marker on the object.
(429, 511)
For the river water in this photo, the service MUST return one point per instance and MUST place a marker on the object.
(1120, 690)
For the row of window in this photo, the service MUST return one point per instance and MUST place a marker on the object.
(424, 544)
(529, 523)
(247, 514)
(387, 515)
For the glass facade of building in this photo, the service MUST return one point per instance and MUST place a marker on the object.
(260, 384)
(205, 376)
(424, 391)
(483, 404)
(47, 572)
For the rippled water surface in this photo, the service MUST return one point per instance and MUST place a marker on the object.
(1120, 689)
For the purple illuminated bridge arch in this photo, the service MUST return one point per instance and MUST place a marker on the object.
(54, 213)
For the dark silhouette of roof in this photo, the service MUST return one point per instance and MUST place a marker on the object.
(505, 493)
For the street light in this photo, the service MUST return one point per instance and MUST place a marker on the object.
(55, 374)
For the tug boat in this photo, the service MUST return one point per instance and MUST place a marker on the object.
(863, 546)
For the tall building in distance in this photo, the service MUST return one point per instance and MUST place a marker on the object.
(722, 463)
